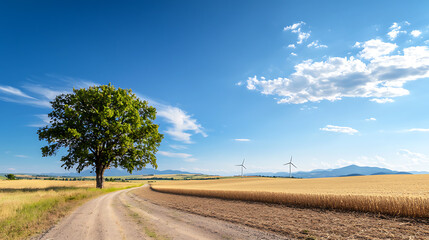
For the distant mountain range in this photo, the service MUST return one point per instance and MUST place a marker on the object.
(352, 170)
(117, 172)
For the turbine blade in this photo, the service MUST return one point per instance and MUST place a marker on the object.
(293, 165)
(244, 167)
(243, 161)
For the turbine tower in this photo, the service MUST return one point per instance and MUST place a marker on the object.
(242, 166)
(290, 166)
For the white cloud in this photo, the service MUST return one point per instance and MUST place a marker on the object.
(182, 123)
(239, 83)
(375, 48)
(182, 126)
(302, 36)
(418, 130)
(293, 54)
(185, 156)
(338, 129)
(296, 28)
(416, 33)
(371, 119)
(21, 156)
(11, 169)
(380, 79)
(242, 140)
(291, 46)
(316, 44)
(382, 100)
(395, 31)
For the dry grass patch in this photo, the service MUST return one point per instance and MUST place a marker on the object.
(28, 207)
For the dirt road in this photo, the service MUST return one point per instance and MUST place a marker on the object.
(141, 213)
(125, 215)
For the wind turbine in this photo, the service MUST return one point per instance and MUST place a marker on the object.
(290, 166)
(242, 166)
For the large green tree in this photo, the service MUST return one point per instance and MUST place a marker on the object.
(102, 127)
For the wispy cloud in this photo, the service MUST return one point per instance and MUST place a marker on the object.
(185, 156)
(41, 95)
(14, 91)
(414, 157)
(44, 120)
(418, 130)
(370, 119)
(178, 147)
(21, 156)
(338, 129)
(174, 155)
(242, 140)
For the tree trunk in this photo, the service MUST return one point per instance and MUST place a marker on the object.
(99, 177)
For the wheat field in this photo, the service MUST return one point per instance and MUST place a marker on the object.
(397, 195)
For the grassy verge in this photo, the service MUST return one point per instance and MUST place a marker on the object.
(36, 211)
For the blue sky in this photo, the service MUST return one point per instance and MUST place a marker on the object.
(332, 83)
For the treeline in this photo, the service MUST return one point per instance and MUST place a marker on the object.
(172, 178)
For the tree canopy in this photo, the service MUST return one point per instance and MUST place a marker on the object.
(102, 127)
(10, 176)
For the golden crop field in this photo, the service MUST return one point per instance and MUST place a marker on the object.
(30, 206)
(399, 195)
